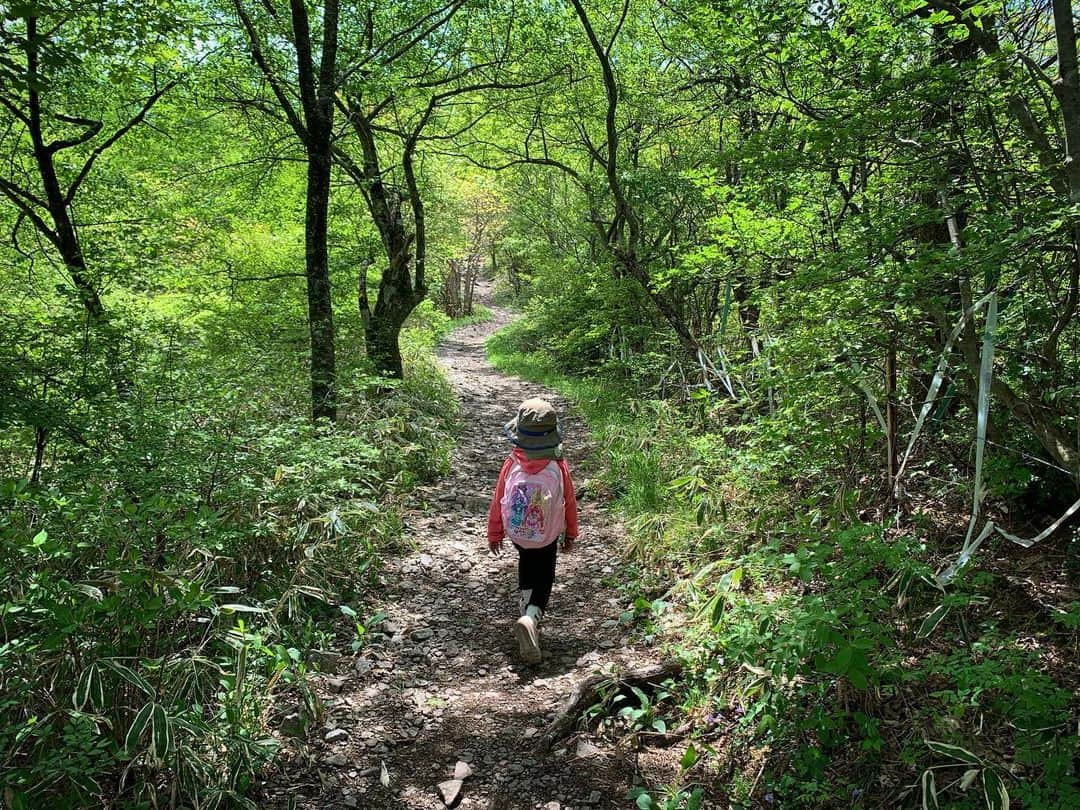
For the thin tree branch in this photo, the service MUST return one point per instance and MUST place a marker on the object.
(268, 72)
(116, 136)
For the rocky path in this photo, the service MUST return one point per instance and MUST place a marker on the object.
(441, 688)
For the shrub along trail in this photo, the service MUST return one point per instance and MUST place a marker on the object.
(442, 683)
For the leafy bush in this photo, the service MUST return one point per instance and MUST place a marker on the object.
(808, 631)
(159, 591)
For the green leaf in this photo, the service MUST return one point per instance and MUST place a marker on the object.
(128, 675)
(85, 691)
(954, 751)
(997, 797)
(689, 758)
(858, 678)
(97, 689)
(243, 608)
(160, 732)
(842, 662)
(138, 726)
(930, 623)
(241, 671)
(13, 800)
(716, 611)
(90, 590)
(929, 790)
(732, 579)
(645, 802)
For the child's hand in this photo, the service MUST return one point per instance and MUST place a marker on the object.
(568, 544)
(495, 546)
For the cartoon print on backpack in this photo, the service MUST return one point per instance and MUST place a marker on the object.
(527, 512)
(519, 504)
(534, 515)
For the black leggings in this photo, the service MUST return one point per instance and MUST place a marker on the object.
(536, 572)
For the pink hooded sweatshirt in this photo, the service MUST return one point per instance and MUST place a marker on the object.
(531, 465)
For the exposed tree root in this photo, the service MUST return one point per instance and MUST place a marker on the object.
(588, 692)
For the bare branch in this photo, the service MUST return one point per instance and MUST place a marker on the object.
(15, 194)
(268, 72)
(116, 136)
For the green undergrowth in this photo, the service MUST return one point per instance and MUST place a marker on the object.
(162, 597)
(825, 668)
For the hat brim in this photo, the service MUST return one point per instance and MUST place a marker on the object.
(545, 446)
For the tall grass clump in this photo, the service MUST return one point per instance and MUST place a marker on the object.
(829, 665)
(166, 581)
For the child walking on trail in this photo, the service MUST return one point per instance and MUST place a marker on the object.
(534, 506)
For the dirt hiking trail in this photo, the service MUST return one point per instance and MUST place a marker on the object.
(442, 684)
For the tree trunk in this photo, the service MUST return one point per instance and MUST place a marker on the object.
(1067, 90)
(892, 461)
(317, 87)
(402, 286)
(382, 331)
(320, 306)
(749, 314)
(384, 348)
(382, 327)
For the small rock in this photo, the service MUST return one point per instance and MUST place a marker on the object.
(585, 749)
(337, 760)
(450, 791)
(462, 770)
(335, 684)
(325, 660)
(423, 634)
(595, 797)
(390, 627)
(588, 658)
(552, 806)
(336, 735)
(293, 725)
(350, 801)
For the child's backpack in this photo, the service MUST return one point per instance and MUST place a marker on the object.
(533, 510)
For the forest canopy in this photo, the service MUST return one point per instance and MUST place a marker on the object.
(812, 269)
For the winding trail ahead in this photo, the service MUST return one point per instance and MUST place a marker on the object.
(443, 683)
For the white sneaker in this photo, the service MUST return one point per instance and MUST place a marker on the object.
(527, 633)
